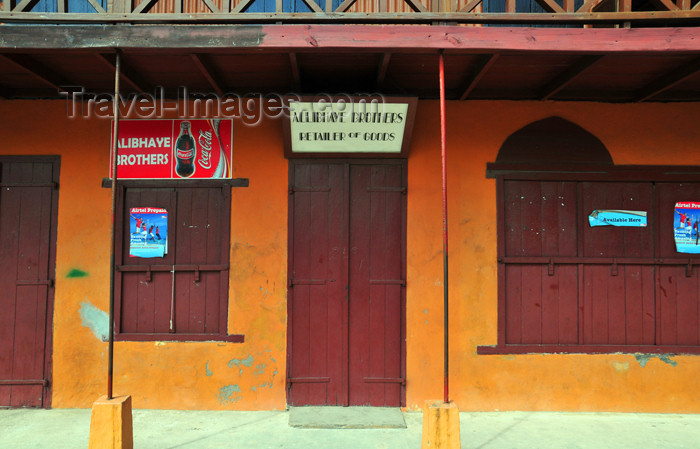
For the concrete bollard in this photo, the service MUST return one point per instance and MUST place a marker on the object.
(440, 426)
(111, 426)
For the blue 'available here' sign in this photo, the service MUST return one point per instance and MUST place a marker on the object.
(629, 218)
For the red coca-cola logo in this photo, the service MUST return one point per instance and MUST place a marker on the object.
(205, 146)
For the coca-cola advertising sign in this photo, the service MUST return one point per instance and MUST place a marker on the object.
(174, 149)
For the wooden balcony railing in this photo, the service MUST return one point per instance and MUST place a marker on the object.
(597, 13)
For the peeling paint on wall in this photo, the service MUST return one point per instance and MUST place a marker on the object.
(77, 273)
(644, 358)
(95, 319)
(226, 394)
(241, 362)
(208, 372)
(260, 369)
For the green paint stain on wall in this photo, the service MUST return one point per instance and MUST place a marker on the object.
(643, 359)
(227, 394)
(240, 363)
(208, 372)
(76, 273)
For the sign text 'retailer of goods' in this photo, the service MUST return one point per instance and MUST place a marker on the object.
(353, 127)
(174, 149)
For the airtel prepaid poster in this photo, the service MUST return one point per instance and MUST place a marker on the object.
(174, 149)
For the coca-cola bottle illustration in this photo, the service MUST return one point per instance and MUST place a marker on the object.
(185, 152)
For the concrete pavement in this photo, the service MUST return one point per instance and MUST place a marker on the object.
(166, 429)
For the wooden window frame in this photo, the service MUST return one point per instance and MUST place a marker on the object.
(653, 174)
(222, 335)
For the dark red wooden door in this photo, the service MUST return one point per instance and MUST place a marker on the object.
(27, 240)
(346, 274)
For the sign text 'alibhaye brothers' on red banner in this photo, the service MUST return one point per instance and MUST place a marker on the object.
(174, 149)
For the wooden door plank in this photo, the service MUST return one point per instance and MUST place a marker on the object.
(9, 228)
(513, 273)
(667, 292)
(337, 286)
(568, 304)
(531, 306)
(300, 319)
(616, 294)
(394, 270)
(514, 288)
(550, 305)
(184, 281)
(359, 265)
(634, 304)
(24, 365)
(531, 216)
(513, 218)
(377, 270)
(531, 210)
(201, 224)
(319, 298)
(216, 252)
(145, 290)
(30, 314)
(687, 309)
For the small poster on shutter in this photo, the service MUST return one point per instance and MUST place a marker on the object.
(148, 232)
(627, 218)
(685, 227)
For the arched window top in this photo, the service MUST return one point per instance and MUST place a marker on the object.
(553, 141)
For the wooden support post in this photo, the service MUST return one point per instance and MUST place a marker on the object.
(625, 6)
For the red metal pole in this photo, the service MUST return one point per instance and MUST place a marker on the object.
(110, 356)
(444, 226)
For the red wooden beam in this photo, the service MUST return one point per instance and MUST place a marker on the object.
(356, 37)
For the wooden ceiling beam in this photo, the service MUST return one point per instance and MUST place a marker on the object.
(38, 70)
(477, 73)
(668, 80)
(205, 67)
(296, 74)
(381, 71)
(569, 75)
(126, 74)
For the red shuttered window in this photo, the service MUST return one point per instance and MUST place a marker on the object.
(182, 295)
(567, 286)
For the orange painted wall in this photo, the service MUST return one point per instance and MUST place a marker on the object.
(215, 375)
(634, 134)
